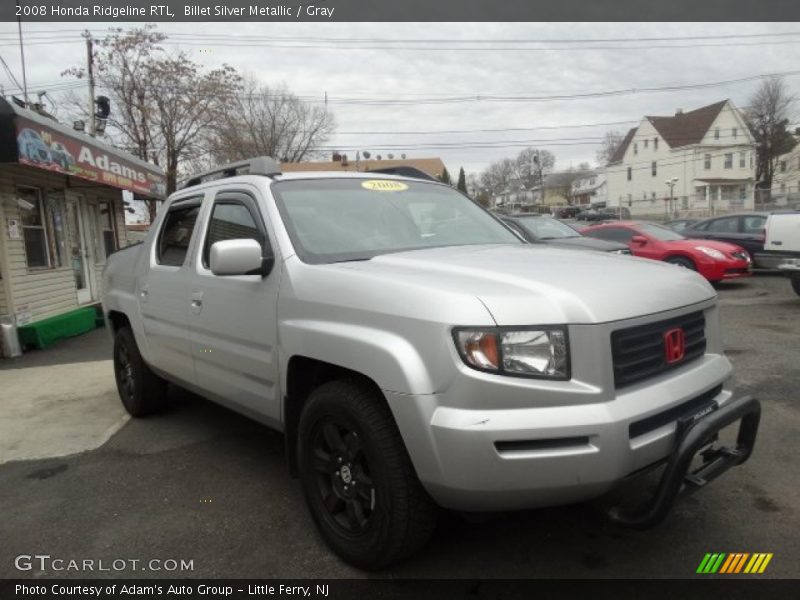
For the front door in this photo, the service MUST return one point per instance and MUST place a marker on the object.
(233, 318)
(81, 255)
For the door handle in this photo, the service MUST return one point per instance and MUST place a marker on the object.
(144, 292)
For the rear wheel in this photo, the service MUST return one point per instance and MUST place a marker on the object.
(358, 480)
(681, 261)
(142, 392)
(796, 284)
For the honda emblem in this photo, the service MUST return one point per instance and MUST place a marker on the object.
(674, 345)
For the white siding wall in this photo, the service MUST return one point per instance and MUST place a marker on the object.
(686, 164)
(46, 292)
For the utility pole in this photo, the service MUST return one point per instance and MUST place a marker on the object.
(90, 74)
(22, 58)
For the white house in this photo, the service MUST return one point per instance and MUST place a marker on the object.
(786, 181)
(592, 188)
(700, 162)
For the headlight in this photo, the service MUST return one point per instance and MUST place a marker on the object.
(542, 353)
(713, 253)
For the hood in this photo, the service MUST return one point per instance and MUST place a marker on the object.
(534, 284)
(586, 243)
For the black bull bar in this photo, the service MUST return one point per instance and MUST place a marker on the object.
(693, 433)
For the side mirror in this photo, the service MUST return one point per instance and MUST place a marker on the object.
(239, 257)
(639, 239)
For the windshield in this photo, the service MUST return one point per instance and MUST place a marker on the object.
(660, 233)
(334, 220)
(544, 228)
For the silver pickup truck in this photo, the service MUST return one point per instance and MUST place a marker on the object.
(417, 354)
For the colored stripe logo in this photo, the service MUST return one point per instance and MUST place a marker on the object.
(734, 563)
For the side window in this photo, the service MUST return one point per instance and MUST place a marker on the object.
(231, 219)
(612, 234)
(173, 243)
(728, 225)
(754, 224)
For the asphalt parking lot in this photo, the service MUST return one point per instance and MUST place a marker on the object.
(201, 483)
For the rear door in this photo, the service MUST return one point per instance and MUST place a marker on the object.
(233, 319)
(164, 292)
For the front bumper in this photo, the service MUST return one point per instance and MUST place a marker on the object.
(693, 435)
(516, 456)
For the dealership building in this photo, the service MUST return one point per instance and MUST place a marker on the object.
(62, 215)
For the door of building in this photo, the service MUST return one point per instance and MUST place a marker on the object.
(81, 250)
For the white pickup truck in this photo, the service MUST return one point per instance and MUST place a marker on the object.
(416, 353)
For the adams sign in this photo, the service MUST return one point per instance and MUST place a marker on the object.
(30, 139)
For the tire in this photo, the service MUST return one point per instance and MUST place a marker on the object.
(681, 261)
(796, 285)
(142, 392)
(376, 512)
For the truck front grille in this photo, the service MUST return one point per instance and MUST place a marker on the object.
(641, 352)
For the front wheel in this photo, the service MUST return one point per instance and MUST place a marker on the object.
(358, 480)
(681, 261)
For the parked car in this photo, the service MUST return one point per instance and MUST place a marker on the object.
(713, 260)
(747, 230)
(414, 352)
(540, 229)
(681, 224)
(568, 212)
(32, 147)
(782, 241)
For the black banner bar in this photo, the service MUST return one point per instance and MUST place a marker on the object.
(400, 10)
(730, 588)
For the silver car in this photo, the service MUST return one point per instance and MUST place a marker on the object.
(416, 354)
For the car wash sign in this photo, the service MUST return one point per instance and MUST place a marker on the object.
(42, 143)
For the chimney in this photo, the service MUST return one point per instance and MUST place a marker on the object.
(336, 157)
(678, 111)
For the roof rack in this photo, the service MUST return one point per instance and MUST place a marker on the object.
(259, 165)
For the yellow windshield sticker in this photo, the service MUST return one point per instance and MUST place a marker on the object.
(384, 185)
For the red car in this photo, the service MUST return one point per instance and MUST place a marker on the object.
(713, 260)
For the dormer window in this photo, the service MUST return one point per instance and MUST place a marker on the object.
(645, 143)
(734, 132)
(635, 148)
(716, 133)
(655, 143)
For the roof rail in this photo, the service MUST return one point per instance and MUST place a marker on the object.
(405, 171)
(259, 165)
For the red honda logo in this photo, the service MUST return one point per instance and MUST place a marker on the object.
(674, 346)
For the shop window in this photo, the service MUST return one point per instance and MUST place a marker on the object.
(42, 228)
(106, 227)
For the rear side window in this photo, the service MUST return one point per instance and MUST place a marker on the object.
(754, 224)
(173, 242)
(231, 220)
(612, 234)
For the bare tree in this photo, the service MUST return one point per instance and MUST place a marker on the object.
(161, 104)
(268, 121)
(768, 114)
(611, 142)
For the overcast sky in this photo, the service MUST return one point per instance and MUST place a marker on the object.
(378, 72)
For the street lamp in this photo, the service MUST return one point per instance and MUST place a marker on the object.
(671, 184)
